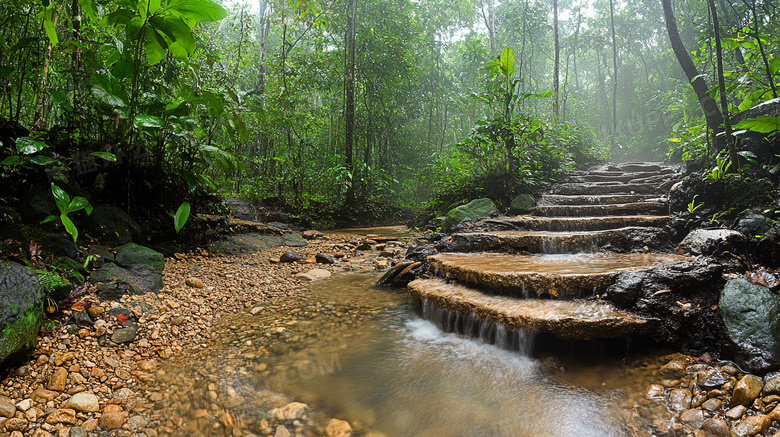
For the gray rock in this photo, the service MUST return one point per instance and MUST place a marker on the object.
(124, 335)
(37, 203)
(253, 243)
(131, 253)
(289, 257)
(116, 281)
(21, 311)
(58, 245)
(82, 318)
(752, 224)
(710, 378)
(323, 258)
(626, 290)
(473, 210)
(77, 431)
(750, 318)
(700, 241)
(522, 204)
(111, 224)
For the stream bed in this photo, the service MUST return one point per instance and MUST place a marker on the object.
(361, 353)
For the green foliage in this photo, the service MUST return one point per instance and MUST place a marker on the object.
(49, 280)
(181, 216)
(692, 207)
(67, 206)
(717, 173)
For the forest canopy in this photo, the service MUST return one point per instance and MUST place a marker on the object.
(333, 104)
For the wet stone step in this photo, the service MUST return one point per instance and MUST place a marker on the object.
(568, 224)
(637, 208)
(637, 166)
(549, 276)
(607, 199)
(456, 308)
(619, 240)
(596, 188)
(618, 177)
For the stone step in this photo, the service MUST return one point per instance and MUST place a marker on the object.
(597, 188)
(621, 240)
(549, 276)
(637, 166)
(636, 208)
(607, 199)
(617, 177)
(569, 224)
(568, 320)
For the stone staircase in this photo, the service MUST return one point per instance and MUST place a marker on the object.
(545, 272)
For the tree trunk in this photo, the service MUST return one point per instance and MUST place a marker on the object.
(264, 27)
(40, 100)
(757, 36)
(722, 90)
(708, 105)
(557, 65)
(614, 71)
(349, 96)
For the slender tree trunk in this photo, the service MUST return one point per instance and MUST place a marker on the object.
(264, 27)
(722, 90)
(349, 96)
(757, 36)
(614, 71)
(557, 64)
(41, 100)
(708, 105)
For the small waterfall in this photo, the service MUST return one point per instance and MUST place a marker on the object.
(471, 326)
(555, 245)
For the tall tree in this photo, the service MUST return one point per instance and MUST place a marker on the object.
(708, 105)
(556, 67)
(349, 95)
(614, 71)
(722, 88)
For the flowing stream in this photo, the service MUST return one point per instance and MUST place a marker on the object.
(363, 353)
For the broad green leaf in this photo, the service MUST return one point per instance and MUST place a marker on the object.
(51, 32)
(177, 30)
(106, 97)
(108, 156)
(6, 70)
(61, 99)
(179, 53)
(11, 160)
(24, 43)
(199, 10)
(41, 160)
(143, 121)
(89, 8)
(507, 61)
(122, 69)
(763, 124)
(182, 214)
(61, 198)
(78, 203)
(50, 218)
(775, 65)
(28, 146)
(155, 46)
(238, 122)
(69, 227)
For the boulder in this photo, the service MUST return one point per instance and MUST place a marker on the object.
(253, 243)
(131, 253)
(700, 241)
(472, 210)
(111, 224)
(21, 311)
(289, 257)
(752, 224)
(114, 281)
(750, 320)
(522, 204)
(37, 203)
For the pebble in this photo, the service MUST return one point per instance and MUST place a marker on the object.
(194, 282)
(747, 390)
(281, 431)
(289, 257)
(736, 413)
(678, 400)
(338, 428)
(84, 402)
(58, 379)
(63, 415)
(751, 426)
(7, 408)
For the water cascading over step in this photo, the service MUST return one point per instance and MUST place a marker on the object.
(544, 273)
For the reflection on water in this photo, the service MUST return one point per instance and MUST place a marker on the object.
(565, 264)
(401, 376)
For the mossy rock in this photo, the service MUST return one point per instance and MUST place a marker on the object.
(522, 204)
(252, 243)
(472, 210)
(131, 253)
(742, 193)
(21, 309)
(114, 282)
(110, 224)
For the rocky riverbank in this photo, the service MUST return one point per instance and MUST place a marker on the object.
(703, 397)
(103, 374)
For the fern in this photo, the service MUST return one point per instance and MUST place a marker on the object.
(49, 280)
